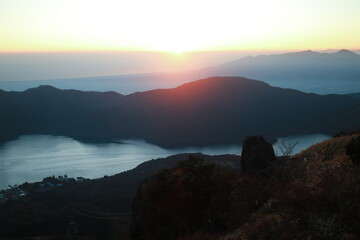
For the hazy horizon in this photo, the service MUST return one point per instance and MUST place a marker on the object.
(60, 65)
(57, 65)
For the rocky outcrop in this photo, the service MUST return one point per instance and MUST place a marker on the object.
(256, 154)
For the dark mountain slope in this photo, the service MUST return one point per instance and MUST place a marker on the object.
(224, 110)
(355, 95)
(216, 110)
(49, 110)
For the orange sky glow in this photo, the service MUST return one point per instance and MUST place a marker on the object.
(177, 26)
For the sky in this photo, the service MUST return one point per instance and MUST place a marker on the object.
(178, 26)
(49, 39)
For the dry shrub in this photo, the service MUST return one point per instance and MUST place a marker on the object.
(199, 236)
(265, 227)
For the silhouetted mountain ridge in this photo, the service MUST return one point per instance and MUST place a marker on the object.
(346, 52)
(217, 110)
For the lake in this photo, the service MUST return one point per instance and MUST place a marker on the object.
(33, 157)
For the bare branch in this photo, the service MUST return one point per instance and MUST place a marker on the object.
(286, 149)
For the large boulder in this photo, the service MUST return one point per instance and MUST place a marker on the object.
(256, 154)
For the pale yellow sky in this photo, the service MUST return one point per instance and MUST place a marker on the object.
(176, 26)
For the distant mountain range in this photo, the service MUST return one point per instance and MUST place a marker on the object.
(218, 110)
(308, 71)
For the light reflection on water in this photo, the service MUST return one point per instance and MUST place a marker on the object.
(33, 157)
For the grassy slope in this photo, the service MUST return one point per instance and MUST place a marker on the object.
(313, 196)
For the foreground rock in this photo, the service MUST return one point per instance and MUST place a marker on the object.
(256, 154)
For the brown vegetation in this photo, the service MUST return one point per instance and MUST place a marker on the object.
(313, 195)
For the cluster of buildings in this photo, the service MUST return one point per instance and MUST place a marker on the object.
(16, 192)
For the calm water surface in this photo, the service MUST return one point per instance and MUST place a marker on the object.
(33, 157)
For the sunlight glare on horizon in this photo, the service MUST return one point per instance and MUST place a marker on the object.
(177, 26)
